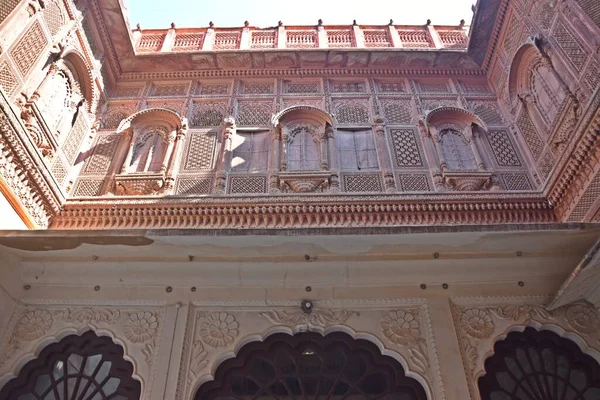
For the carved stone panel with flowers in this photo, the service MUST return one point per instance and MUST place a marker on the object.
(216, 331)
(481, 322)
(138, 329)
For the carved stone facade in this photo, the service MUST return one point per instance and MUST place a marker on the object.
(198, 190)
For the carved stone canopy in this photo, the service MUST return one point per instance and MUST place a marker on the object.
(468, 181)
(305, 182)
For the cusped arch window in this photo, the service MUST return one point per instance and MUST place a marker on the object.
(311, 366)
(149, 149)
(539, 365)
(304, 153)
(456, 150)
(86, 367)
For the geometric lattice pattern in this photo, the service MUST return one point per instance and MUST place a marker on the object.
(348, 87)
(391, 87)
(575, 52)
(53, 16)
(376, 38)
(512, 35)
(112, 120)
(546, 164)
(188, 41)
(29, 48)
(414, 182)
(433, 87)
(258, 88)
(301, 39)
(263, 39)
(103, 153)
(8, 81)
(453, 39)
(489, 113)
(414, 39)
(73, 142)
(226, 40)
(126, 91)
(516, 182)
(351, 113)
(340, 38)
(303, 87)
(592, 9)
(6, 7)
(530, 134)
(88, 187)
(406, 149)
(247, 184)
(471, 87)
(208, 114)
(362, 183)
(170, 90)
(201, 152)
(254, 113)
(150, 42)
(194, 186)
(211, 89)
(59, 172)
(587, 200)
(592, 76)
(503, 150)
(397, 111)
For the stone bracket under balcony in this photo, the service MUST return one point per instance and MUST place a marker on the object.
(305, 182)
(139, 184)
(468, 181)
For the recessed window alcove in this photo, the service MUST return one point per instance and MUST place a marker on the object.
(311, 366)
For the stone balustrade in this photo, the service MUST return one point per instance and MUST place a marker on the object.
(300, 37)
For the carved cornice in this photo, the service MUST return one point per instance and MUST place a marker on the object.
(23, 169)
(301, 211)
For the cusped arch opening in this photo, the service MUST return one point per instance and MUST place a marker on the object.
(159, 116)
(82, 74)
(455, 115)
(303, 112)
(539, 364)
(85, 367)
(520, 68)
(309, 365)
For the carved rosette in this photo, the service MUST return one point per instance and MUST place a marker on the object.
(480, 326)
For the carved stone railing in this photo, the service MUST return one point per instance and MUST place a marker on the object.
(300, 37)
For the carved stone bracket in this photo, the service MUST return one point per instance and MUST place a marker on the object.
(305, 182)
(139, 184)
(468, 181)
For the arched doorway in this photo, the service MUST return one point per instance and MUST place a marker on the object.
(86, 367)
(539, 365)
(311, 366)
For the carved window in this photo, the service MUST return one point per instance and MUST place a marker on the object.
(539, 365)
(356, 150)
(149, 151)
(303, 152)
(456, 150)
(311, 366)
(250, 151)
(57, 101)
(547, 92)
(85, 367)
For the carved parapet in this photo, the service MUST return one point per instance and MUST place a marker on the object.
(305, 182)
(468, 181)
(139, 184)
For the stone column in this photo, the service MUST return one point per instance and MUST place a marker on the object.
(275, 160)
(435, 136)
(383, 156)
(129, 155)
(334, 180)
(284, 143)
(470, 133)
(427, 141)
(228, 130)
(323, 146)
(175, 160)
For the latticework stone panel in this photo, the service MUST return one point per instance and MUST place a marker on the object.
(377, 38)
(351, 112)
(348, 87)
(188, 41)
(429, 105)
(126, 91)
(113, 119)
(391, 87)
(88, 187)
(150, 42)
(29, 48)
(200, 152)
(54, 17)
(530, 134)
(254, 113)
(414, 39)
(406, 148)
(340, 38)
(301, 39)
(226, 40)
(516, 181)
(587, 200)
(592, 9)
(302, 87)
(6, 7)
(433, 87)
(170, 90)
(245, 184)
(58, 170)
(213, 88)
(177, 106)
(592, 76)
(8, 80)
(414, 182)
(208, 114)
(512, 35)
(197, 185)
(546, 164)
(489, 113)
(263, 39)
(503, 149)
(103, 153)
(576, 53)
(471, 87)
(73, 141)
(362, 183)
(397, 111)
(258, 88)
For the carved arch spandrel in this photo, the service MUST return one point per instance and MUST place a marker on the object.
(137, 330)
(401, 330)
(481, 322)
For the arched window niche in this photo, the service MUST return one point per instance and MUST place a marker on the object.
(79, 367)
(305, 147)
(539, 365)
(57, 114)
(153, 138)
(454, 134)
(311, 366)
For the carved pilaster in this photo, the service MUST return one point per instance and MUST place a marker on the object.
(228, 129)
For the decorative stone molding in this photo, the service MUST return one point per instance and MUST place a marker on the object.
(400, 328)
(468, 181)
(138, 330)
(481, 322)
(304, 182)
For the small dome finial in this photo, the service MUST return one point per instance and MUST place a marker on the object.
(211, 24)
(354, 22)
(172, 25)
(462, 23)
(428, 22)
(320, 22)
(246, 24)
(391, 22)
(280, 23)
